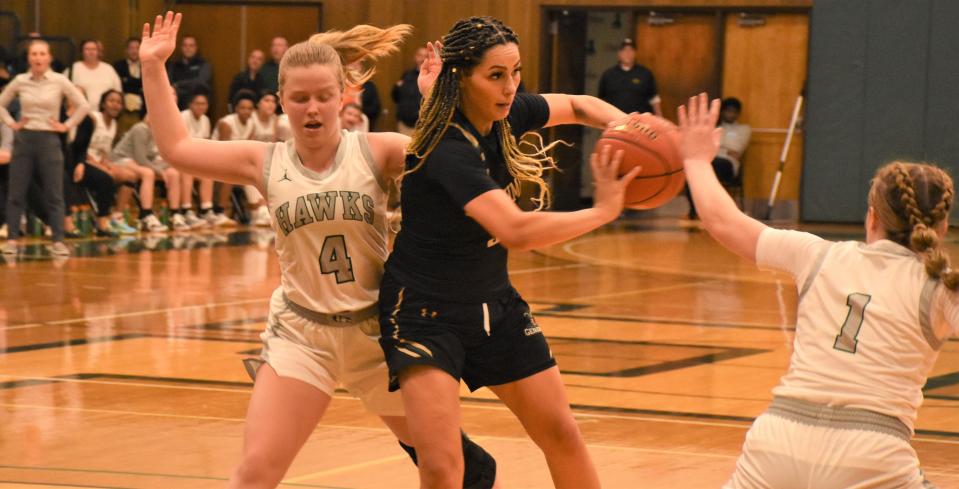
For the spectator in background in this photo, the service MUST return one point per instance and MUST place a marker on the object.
(128, 69)
(271, 69)
(351, 118)
(264, 129)
(370, 103)
(406, 95)
(629, 85)
(197, 126)
(6, 152)
(237, 126)
(37, 146)
(727, 163)
(93, 76)
(85, 165)
(251, 78)
(191, 73)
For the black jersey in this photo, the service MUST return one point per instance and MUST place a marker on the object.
(440, 251)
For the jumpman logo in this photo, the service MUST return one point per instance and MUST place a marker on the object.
(285, 177)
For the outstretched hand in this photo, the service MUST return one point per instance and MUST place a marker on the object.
(699, 136)
(430, 68)
(160, 45)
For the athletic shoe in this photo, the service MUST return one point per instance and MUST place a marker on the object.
(10, 248)
(121, 227)
(218, 219)
(193, 221)
(106, 233)
(152, 225)
(58, 249)
(261, 217)
(178, 223)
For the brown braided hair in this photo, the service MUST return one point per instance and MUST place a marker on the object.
(363, 43)
(463, 49)
(910, 200)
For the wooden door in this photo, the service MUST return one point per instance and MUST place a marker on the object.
(682, 51)
(227, 32)
(765, 67)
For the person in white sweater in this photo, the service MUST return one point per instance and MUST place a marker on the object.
(93, 76)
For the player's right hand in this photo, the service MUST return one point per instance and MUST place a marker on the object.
(158, 47)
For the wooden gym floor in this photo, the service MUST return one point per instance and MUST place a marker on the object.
(120, 367)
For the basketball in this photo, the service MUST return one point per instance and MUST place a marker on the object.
(645, 141)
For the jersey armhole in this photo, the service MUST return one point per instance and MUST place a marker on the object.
(364, 144)
(267, 161)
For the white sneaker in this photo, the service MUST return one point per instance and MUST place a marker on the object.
(193, 221)
(218, 219)
(58, 249)
(152, 225)
(261, 217)
(3, 232)
(10, 248)
(178, 223)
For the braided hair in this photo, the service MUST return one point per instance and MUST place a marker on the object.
(910, 200)
(463, 49)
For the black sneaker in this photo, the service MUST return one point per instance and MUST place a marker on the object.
(106, 233)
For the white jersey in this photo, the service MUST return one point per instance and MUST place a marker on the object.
(238, 130)
(264, 131)
(869, 326)
(101, 142)
(331, 228)
(196, 128)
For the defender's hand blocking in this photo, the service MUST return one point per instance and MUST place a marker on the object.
(699, 136)
(610, 188)
(159, 46)
(430, 68)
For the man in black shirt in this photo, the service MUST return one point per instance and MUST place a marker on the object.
(629, 85)
(251, 78)
(128, 69)
(190, 74)
(407, 96)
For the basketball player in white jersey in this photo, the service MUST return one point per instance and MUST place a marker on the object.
(326, 189)
(872, 318)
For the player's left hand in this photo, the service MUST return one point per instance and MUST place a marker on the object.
(430, 68)
(158, 47)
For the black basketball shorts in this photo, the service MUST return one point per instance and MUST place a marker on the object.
(483, 344)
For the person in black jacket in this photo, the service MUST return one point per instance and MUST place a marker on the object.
(128, 69)
(190, 74)
(251, 78)
(407, 96)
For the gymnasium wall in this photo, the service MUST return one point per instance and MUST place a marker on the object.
(882, 86)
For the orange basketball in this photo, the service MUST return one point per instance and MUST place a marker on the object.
(646, 141)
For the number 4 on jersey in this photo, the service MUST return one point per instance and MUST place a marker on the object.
(335, 259)
(848, 338)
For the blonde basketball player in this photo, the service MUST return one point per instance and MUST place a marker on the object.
(326, 189)
(872, 317)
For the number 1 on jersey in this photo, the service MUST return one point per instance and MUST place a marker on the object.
(848, 338)
(335, 259)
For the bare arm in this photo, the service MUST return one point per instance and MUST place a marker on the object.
(585, 110)
(724, 221)
(389, 152)
(9, 92)
(82, 107)
(238, 162)
(516, 229)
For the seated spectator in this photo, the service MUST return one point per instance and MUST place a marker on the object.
(271, 69)
(264, 129)
(283, 130)
(93, 76)
(367, 97)
(137, 151)
(6, 152)
(250, 78)
(128, 69)
(191, 73)
(198, 126)
(38, 151)
(406, 95)
(735, 139)
(87, 166)
(237, 126)
(352, 118)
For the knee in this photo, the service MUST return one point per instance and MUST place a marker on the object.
(172, 176)
(441, 469)
(560, 435)
(147, 175)
(258, 470)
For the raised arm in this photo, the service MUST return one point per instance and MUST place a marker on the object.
(699, 142)
(585, 110)
(238, 162)
(516, 229)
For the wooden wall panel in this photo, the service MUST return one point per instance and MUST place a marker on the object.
(682, 57)
(765, 67)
